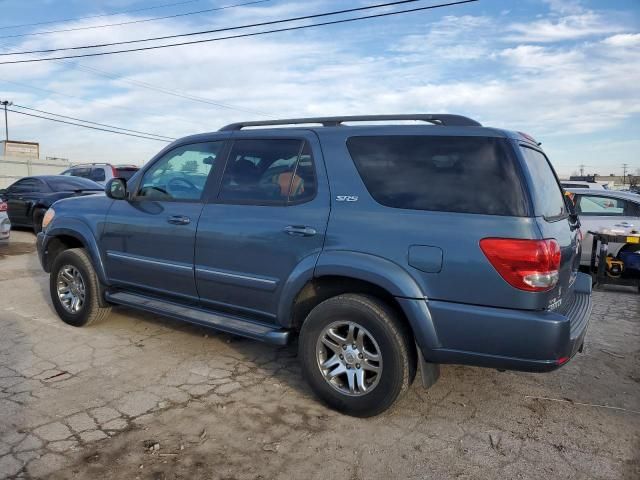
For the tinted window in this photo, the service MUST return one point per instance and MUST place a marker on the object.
(69, 184)
(546, 191)
(97, 174)
(449, 174)
(588, 205)
(632, 209)
(84, 172)
(126, 173)
(271, 171)
(28, 185)
(181, 173)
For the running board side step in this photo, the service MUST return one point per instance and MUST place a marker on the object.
(219, 321)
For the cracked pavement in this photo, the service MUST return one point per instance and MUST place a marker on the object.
(97, 401)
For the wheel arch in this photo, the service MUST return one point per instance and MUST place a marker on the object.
(352, 272)
(72, 234)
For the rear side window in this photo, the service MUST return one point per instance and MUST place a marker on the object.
(97, 175)
(269, 171)
(547, 195)
(81, 172)
(438, 173)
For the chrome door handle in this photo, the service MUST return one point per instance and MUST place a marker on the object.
(300, 230)
(179, 220)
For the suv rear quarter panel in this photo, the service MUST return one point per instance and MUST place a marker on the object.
(367, 227)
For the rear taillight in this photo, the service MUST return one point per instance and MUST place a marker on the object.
(114, 171)
(530, 265)
(3, 206)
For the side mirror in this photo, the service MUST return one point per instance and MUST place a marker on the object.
(116, 188)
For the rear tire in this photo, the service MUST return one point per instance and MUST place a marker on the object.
(75, 289)
(362, 339)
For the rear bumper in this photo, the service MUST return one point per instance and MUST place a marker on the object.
(502, 338)
(5, 227)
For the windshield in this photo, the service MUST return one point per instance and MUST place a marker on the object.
(63, 183)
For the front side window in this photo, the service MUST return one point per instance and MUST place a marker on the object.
(440, 173)
(597, 206)
(548, 197)
(181, 173)
(269, 171)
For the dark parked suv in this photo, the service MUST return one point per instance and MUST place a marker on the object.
(388, 249)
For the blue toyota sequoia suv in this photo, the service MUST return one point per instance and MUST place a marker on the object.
(386, 249)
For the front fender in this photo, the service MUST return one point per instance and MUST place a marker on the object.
(79, 230)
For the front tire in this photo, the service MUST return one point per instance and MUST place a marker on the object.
(75, 289)
(356, 354)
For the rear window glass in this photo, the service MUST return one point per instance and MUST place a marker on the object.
(547, 194)
(63, 183)
(448, 174)
(126, 173)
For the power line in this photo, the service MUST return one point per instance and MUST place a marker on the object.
(148, 86)
(218, 30)
(167, 91)
(101, 15)
(254, 34)
(86, 126)
(225, 7)
(164, 137)
(121, 107)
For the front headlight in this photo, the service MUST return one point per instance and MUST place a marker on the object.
(48, 216)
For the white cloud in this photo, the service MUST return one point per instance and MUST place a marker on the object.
(623, 40)
(519, 76)
(569, 27)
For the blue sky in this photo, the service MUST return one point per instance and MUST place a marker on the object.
(565, 71)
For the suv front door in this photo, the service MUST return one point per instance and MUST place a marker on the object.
(148, 240)
(269, 217)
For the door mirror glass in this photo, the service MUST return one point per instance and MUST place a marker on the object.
(116, 188)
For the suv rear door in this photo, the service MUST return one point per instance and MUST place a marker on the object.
(268, 218)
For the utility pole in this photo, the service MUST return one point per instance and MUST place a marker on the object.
(624, 173)
(582, 165)
(6, 120)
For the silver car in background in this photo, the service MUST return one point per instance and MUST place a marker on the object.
(5, 224)
(101, 172)
(605, 209)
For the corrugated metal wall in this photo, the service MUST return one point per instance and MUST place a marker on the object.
(14, 168)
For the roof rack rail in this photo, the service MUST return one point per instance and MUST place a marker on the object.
(437, 119)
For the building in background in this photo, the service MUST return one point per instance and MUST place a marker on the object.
(21, 159)
(18, 149)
